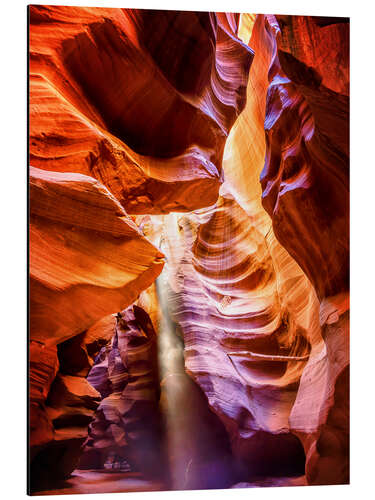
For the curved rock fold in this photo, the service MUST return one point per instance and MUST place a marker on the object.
(189, 249)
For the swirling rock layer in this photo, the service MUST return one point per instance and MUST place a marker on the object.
(71, 255)
(305, 183)
(62, 404)
(127, 421)
(87, 259)
(305, 179)
(151, 131)
(226, 139)
(244, 346)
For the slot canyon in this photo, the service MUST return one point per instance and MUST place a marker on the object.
(188, 250)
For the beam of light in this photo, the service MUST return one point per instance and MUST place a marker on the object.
(174, 383)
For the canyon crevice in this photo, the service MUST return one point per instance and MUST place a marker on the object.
(189, 249)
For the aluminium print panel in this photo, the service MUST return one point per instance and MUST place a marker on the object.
(188, 250)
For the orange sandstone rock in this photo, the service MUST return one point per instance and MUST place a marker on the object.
(106, 101)
(87, 258)
(305, 183)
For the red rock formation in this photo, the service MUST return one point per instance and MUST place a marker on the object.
(127, 421)
(84, 125)
(76, 228)
(138, 112)
(320, 417)
(245, 346)
(43, 367)
(225, 282)
(87, 259)
(151, 131)
(59, 414)
(305, 186)
(305, 179)
(236, 290)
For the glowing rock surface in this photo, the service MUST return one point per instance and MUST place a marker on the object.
(189, 245)
(106, 101)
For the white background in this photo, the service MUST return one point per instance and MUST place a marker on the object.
(13, 244)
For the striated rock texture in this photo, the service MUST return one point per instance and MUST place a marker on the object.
(305, 179)
(247, 312)
(151, 124)
(62, 403)
(127, 421)
(87, 259)
(236, 289)
(305, 183)
(320, 417)
(84, 249)
(143, 135)
(189, 246)
(245, 345)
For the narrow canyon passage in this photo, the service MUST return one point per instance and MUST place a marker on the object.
(189, 242)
